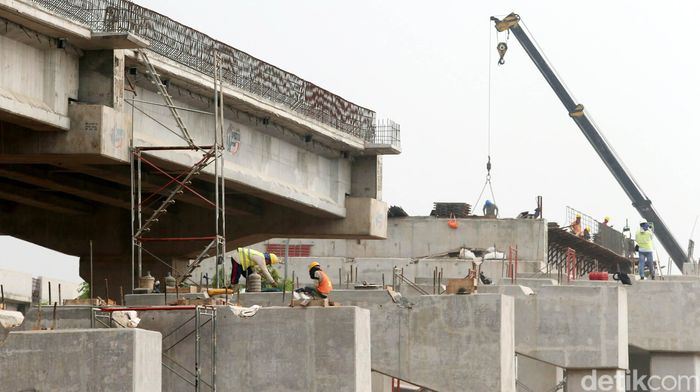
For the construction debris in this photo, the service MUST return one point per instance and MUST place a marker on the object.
(450, 210)
(9, 320)
(396, 212)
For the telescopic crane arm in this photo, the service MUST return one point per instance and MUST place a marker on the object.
(639, 200)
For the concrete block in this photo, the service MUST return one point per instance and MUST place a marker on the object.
(663, 315)
(278, 349)
(423, 236)
(67, 317)
(579, 327)
(468, 338)
(570, 326)
(110, 360)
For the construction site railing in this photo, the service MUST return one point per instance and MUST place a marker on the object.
(387, 132)
(601, 234)
(196, 50)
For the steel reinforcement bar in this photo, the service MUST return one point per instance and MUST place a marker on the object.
(195, 50)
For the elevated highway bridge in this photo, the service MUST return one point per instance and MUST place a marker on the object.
(82, 124)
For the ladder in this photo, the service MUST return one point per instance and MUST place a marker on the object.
(195, 170)
(218, 241)
(163, 91)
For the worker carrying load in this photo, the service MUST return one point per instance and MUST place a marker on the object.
(244, 260)
(575, 226)
(490, 209)
(323, 285)
(645, 248)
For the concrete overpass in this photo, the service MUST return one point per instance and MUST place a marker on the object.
(76, 95)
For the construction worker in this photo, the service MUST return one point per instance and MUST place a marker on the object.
(606, 221)
(323, 285)
(645, 248)
(490, 209)
(575, 226)
(244, 259)
(587, 233)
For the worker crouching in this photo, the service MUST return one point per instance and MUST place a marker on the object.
(323, 285)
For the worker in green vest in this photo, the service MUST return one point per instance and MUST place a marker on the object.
(645, 245)
(244, 260)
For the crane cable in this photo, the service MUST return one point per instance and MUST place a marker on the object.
(488, 162)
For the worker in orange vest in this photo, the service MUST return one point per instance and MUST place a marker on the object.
(323, 285)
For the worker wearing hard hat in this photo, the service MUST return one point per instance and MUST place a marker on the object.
(606, 221)
(575, 226)
(587, 233)
(490, 209)
(323, 285)
(645, 248)
(243, 261)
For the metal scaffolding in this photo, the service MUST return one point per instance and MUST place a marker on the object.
(203, 316)
(146, 210)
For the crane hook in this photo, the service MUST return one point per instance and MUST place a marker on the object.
(502, 48)
(488, 168)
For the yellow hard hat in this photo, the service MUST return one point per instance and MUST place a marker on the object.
(273, 259)
(313, 264)
(607, 218)
(588, 228)
(578, 216)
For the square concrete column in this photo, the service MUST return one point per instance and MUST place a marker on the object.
(676, 372)
(467, 338)
(277, 349)
(366, 180)
(82, 360)
(595, 380)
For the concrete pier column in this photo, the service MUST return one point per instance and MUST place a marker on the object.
(677, 372)
(366, 178)
(595, 380)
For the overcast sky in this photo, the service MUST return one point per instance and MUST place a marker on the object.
(426, 66)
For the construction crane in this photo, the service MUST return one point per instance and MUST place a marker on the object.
(639, 200)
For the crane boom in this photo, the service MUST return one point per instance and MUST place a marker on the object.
(639, 200)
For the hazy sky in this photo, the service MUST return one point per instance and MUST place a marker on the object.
(426, 66)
